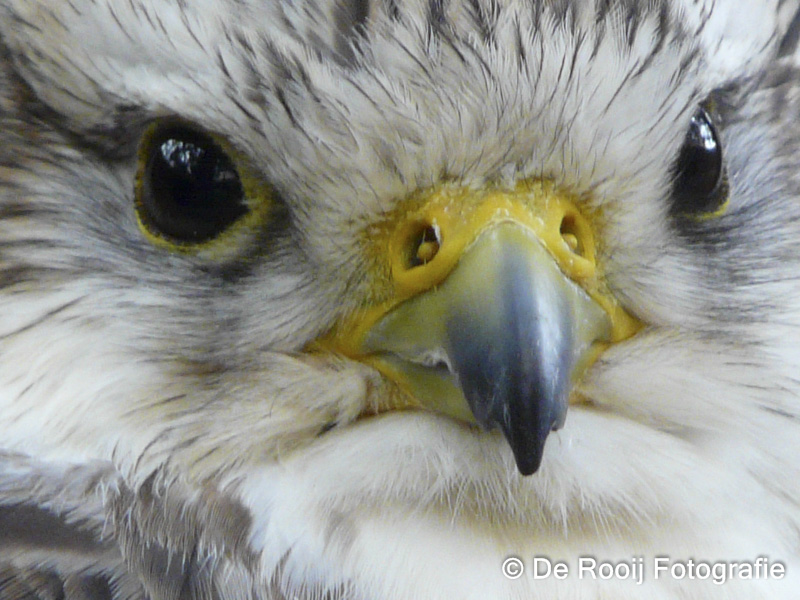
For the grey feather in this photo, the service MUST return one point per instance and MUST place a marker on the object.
(165, 432)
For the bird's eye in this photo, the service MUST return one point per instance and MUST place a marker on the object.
(188, 190)
(700, 187)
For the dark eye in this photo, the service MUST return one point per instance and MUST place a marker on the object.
(699, 176)
(188, 190)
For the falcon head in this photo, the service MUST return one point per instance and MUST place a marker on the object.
(358, 299)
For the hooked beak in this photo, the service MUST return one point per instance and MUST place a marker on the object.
(496, 314)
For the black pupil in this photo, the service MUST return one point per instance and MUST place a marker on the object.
(191, 191)
(699, 168)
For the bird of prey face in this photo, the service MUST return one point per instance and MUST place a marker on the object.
(359, 299)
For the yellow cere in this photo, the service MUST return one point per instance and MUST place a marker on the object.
(459, 215)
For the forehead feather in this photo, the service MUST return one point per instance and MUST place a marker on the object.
(377, 99)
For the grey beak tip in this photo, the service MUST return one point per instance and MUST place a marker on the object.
(528, 462)
(527, 440)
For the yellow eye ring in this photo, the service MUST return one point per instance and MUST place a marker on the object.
(194, 193)
(700, 183)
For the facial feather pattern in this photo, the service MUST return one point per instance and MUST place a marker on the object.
(170, 428)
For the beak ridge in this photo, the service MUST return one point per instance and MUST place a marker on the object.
(516, 369)
(513, 332)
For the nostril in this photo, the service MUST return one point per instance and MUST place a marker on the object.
(426, 243)
(571, 235)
